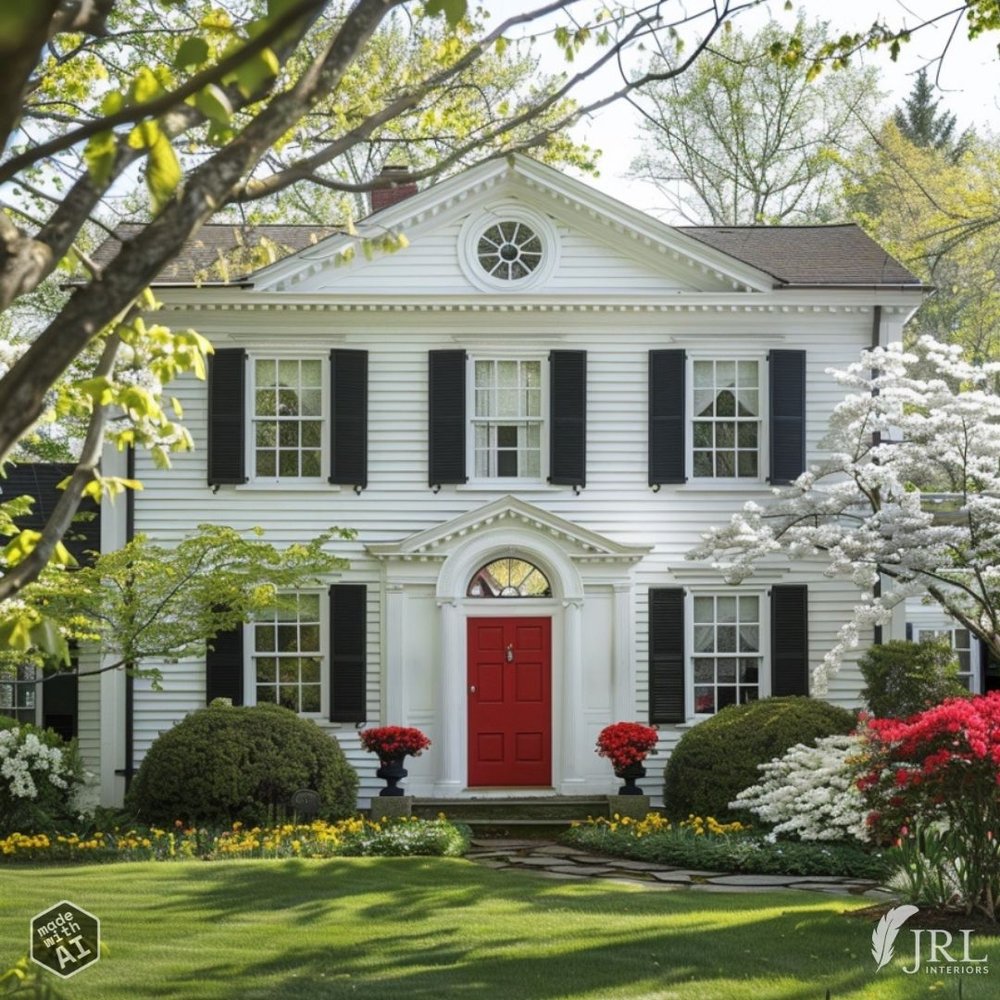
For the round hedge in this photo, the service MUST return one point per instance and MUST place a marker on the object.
(222, 764)
(718, 758)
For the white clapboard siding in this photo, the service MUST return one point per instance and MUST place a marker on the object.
(617, 501)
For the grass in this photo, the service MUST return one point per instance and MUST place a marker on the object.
(428, 927)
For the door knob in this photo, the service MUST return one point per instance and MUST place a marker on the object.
(472, 689)
(510, 653)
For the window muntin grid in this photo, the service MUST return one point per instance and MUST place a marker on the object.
(19, 693)
(287, 654)
(509, 577)
(507, 425)
(726, 657)
(726, 425)
(287, 418)
(509, 251)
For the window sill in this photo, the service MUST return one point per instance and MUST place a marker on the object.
(720, 486)
(296, 486)
(509, 486)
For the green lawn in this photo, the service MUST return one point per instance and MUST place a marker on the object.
(419, 927)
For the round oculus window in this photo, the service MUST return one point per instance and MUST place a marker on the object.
(509, 251)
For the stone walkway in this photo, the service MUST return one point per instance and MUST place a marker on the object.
(548, 859)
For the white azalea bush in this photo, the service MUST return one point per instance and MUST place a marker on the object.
(39, 774)
(811, 792)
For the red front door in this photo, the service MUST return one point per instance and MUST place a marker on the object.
(510, 701)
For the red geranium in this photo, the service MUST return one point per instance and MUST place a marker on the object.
(626, 743)
(393, 742)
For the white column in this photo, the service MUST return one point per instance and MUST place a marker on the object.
(573, 736)
(112, 683)
(622, 659)
(452, 703)
(395, 694)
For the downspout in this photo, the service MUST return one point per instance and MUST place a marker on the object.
(876, 440)
(129, 678)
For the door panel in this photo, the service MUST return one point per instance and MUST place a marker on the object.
(510, 701)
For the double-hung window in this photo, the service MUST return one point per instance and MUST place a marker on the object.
(727, 657)
(288, 657)
(726, 418)
(19, 693)
(507, 422)
(287, 419)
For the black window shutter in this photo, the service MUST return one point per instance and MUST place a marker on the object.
(226, 394)
(224, 667)
(349, 413)
(989, 669)
(667, 457)
(60, 701)
(789, 640)
(909, 631)
(568, 418)
(348, 648)
(666, 654)
(446, 408)
(787, 415)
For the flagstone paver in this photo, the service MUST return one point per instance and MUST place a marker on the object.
(559, 861)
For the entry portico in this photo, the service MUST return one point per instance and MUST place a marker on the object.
(586, 674)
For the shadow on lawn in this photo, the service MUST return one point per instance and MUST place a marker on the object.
(430, 951)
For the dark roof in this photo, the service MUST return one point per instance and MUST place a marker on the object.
(829, 256)
(197, 260)
(839, 255)
(39, 480)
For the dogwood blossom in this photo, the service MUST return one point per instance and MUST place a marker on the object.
(811, 792)
(909, 491)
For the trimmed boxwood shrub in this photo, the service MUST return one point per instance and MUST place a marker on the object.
(718, 758)
(224, 764)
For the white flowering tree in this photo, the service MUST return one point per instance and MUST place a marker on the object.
(909, 492)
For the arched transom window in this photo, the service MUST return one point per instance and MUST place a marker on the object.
(509, 577)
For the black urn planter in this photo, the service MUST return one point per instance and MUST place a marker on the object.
(392, 773)
(629, 775)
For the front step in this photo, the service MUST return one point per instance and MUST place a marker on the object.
(549, 811)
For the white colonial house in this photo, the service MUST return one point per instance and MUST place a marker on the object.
(528, 415)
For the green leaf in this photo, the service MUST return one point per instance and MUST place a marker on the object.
(453, 10)
(46, 637)
(99, 155)
(163, 172)
(21, 546)
(193, 52)
(99, 389)
(256, 71)
(214, 104)
(16, 635)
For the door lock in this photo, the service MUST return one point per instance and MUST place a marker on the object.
(510, 653)
(472, 689)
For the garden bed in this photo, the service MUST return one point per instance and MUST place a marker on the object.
(702, 843)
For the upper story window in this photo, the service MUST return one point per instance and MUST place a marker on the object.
(287, 654)
(507, 419)
(726, 654)
(509, 577)
(726, 419)
(287, 418)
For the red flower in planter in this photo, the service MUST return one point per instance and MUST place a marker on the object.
(626, 743)
(393, 742)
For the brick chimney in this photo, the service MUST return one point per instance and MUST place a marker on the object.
(383, 197)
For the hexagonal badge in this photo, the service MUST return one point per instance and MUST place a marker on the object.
(65, 939)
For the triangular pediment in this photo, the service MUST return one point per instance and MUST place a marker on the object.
(579, 543)
(599, 246)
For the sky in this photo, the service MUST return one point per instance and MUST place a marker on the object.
(968, 77)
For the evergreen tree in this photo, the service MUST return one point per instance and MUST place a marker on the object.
(920, 121)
